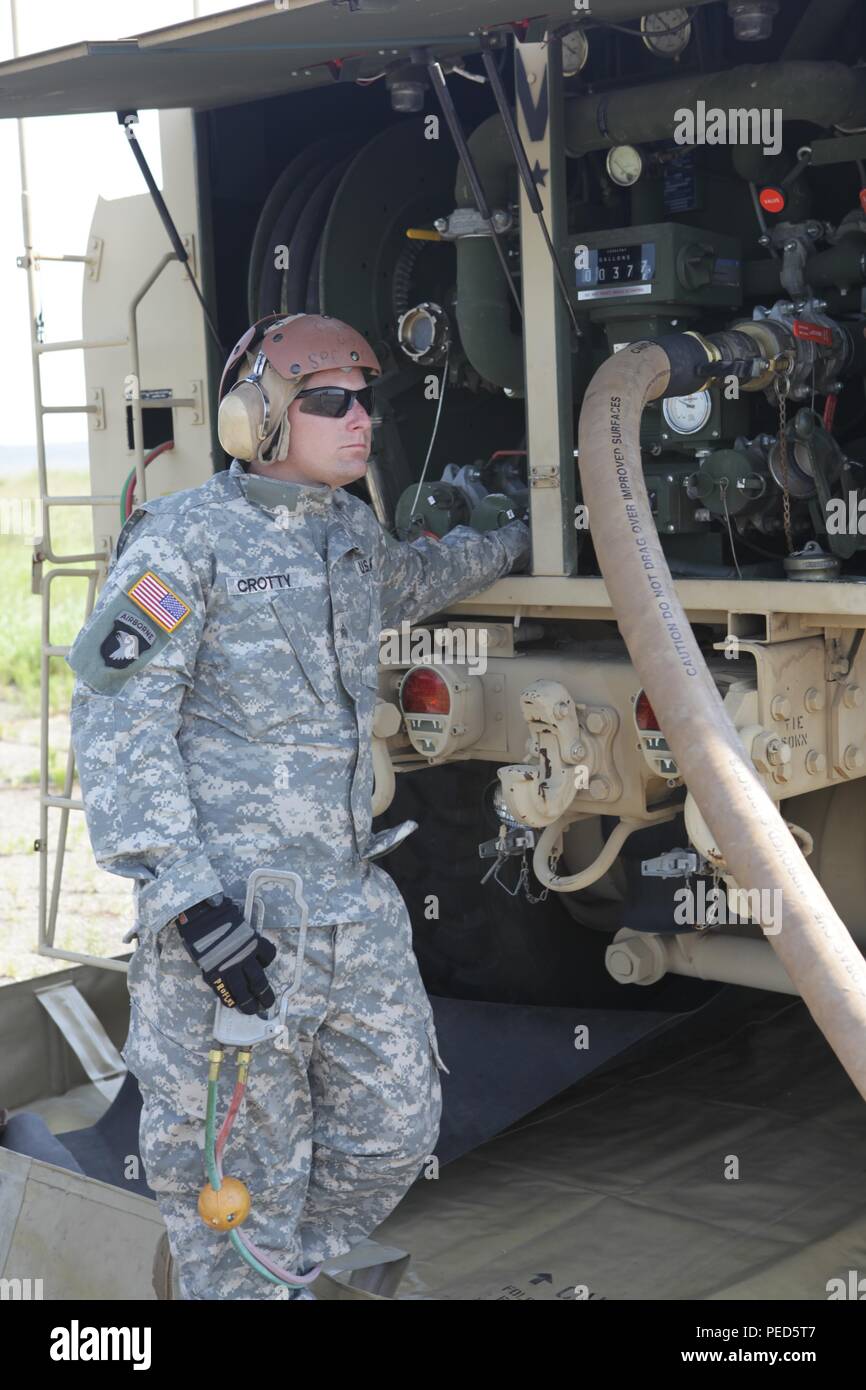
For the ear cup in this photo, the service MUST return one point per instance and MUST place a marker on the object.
(239, 421)
(241, 416)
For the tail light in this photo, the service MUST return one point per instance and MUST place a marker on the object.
(424, 692)
(653, 742)
(442, 708)
(644, 714)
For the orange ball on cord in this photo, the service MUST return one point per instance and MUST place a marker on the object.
(224, 1210)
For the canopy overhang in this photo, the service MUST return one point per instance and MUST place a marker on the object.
(246, 54)
(265, 50)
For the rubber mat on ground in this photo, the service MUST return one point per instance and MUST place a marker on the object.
(504, 1060)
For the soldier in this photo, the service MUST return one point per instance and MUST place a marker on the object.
(221, 722)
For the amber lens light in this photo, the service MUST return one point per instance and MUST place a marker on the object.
(425, 692)
(644, 714)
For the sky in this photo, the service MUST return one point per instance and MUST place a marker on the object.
(71, 160)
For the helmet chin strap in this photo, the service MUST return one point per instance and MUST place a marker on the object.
(277, 446)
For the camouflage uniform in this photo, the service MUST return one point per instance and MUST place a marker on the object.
(221, 722)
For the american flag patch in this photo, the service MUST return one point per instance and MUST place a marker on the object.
(160, 602)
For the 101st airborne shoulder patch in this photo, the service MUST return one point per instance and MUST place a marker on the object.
(121, 640)
(128, 639)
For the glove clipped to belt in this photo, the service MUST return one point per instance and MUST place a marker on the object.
(230, 954)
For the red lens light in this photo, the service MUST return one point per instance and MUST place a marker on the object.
(425, 692)
(644, 714)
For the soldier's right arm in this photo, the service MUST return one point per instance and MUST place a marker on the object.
(134, 660)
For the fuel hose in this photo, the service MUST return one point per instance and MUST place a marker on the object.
(810, 939)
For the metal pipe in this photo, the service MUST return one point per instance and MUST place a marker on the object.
(815, 31)
(46, 923)
(824, 94)
(92, 501)
(483, 311)
(843, 264)
(86, 260)
(103, 962)
(449, 111)
(644, 958)
(60, 848)
(76, 344)
(574, 883)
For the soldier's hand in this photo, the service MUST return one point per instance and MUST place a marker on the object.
(230, 954)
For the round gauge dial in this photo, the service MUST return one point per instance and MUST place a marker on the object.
(624, 165)
(687, 414)
(666, 34)
(575, 51)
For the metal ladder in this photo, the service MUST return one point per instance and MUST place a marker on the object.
(67, 565)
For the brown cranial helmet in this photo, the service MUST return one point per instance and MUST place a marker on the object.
(280, 352)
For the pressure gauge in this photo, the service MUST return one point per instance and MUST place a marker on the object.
(624, 165)
(575, 51)
(687, 414)
(666, 34)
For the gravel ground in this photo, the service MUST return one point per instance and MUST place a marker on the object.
(95, 908)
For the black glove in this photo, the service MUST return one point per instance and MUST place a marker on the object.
(230, 955)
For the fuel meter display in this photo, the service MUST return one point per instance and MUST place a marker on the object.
(618, 263)
(613, 270)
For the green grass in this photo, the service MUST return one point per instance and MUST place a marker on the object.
(72, 534)
(56, 771)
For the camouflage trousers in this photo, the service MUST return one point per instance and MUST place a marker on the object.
(339, 1114)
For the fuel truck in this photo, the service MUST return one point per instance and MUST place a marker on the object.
(612, 258)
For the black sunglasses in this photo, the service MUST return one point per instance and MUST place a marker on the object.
(335, 401)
